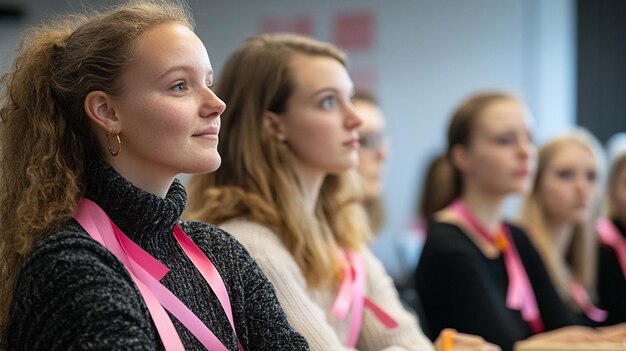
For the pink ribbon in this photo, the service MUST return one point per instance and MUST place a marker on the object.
(610, 236)
(146, 272)
(352, 294)
(581, 297)
(520, 295)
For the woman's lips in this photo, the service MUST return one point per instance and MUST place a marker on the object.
(208, 133)
(352, 143)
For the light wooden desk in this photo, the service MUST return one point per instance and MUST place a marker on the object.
(534, 345)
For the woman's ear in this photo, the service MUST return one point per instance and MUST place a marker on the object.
(274, 126)
(99, 107)
(459, 158)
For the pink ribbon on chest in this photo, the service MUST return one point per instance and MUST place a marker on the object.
(352, 295)
(611, 237)
(580, 295)
(147, 272)
(520, 295)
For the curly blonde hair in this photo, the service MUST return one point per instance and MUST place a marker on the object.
(47, 139)
(257, 179)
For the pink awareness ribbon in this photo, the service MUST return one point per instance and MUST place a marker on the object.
(520, 295)
(610, 236)
(352, 295)
(581, 297)
(147, 272)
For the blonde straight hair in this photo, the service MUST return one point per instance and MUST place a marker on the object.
(617, 166)
(256, 179)
(580, 261)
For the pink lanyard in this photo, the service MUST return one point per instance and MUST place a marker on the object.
(611, 237)
(520, 295)
(352, 293)
(581, 297)
(146, 272)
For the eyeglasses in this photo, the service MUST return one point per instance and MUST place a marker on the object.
(372, 141)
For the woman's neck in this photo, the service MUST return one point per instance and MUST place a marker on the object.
(310, 182)
(144, 177)
(485, 207)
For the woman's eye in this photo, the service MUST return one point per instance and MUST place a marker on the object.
(505, 140)
(565, 174)
(592, 176)
(179, 88)
(328, 102)
(210, 86)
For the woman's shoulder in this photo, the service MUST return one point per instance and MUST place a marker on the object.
(259, 240)
(520, 237)
(67, 245)
(68, 259)
(444, 235)
(206, 233)
(215, 242)
(449, 242)
(71, 282)
(253, 234)
(263, 244)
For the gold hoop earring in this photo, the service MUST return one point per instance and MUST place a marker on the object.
(119, 143)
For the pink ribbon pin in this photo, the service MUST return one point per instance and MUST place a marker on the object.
(352, 295)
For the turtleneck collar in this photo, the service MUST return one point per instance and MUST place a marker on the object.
(137, 213)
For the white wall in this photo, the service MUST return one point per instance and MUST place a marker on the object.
(429, 54)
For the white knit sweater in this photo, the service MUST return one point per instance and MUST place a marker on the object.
(309, 310)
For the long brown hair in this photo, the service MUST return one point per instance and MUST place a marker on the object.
(257, 180)
(581, 253)
(46, 137)
(462, 127)
(436, 190)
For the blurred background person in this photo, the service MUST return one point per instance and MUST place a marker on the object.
(558, 216)
(373, 151)
(611, 274)
(372, 155)
(477, 273)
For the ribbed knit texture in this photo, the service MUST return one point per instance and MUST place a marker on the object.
(309, 310)
(74, 294)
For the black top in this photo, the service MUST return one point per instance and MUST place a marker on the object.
(461, 288)
(611, 282)
(73, 293)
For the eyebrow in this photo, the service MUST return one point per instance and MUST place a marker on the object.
(333, 90)
(181, 68)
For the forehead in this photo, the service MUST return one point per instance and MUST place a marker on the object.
(167, 45)
(504, 114)
(573, 153)
(314, 73)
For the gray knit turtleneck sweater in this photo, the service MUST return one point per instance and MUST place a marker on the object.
(73, 294)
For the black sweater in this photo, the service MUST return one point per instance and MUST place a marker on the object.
(73, 293)
(461, 288)
(611, 283)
